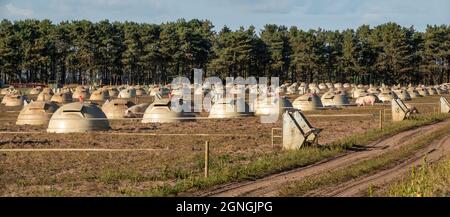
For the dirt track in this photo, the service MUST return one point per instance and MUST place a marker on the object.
(270, 185)
(359, 187)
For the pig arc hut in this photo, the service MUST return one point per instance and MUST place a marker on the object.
(308, 102)
(36, 113)
(100, 95)
(81, 92)
(45, 95)
(228, 107)
(116, 108)
(335, 98)
(61, 97)
(271, 105)
(162, 111)
(129, 92)
(78, 117)
(14, 99)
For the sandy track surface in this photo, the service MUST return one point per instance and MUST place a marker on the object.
(359, 187)
(270, 185)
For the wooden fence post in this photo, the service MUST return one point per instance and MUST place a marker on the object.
(206, 159)
(381, 119)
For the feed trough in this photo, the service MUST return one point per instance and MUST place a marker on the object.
(444, 105)
(297, 131)
(78, 117)
(399, 110)
(36, 113)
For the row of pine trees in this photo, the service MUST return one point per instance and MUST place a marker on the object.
(140, 53)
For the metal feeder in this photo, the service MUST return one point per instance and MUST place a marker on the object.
(297, 131)
(399, 110)
(445, 106)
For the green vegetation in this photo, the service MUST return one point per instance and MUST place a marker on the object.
(424, 181)
(388, 130)
(365, 167)
(114, 52)
(223, 172)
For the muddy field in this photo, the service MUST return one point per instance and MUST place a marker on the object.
(172, 151)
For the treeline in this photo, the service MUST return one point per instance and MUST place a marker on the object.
(117, 53)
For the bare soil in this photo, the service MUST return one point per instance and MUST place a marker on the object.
(237, 141)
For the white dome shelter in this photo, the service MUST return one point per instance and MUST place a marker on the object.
(413, 93)
(358, 92)
(78, 117)
(80, 91)
(127, 93)
(334, 98)
(308, 102)
(61, 97)
(386, 95)
(402, 94)
(230, 108)
(13, 100)
(113, 92)
(116, 108)
(8, 90)
(373, 90)
(45, 95)
(36, 113)
(100, 95)
(271, 105)
(422, 91)
(432, 91)
(140, 91)
(160, 111)
(36, 90)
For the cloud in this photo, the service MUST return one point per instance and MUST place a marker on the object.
(12, 10)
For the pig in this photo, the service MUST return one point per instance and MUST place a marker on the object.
(136, 111)
(365, 100)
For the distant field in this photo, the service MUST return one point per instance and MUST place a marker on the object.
(234, 143)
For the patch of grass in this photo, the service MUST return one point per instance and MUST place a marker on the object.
(388, 130)
(222, 172)
(111, 176)
(427, 180)
(365, 167)
(265, 165)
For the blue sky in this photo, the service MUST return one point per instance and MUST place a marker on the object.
(327, 14)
